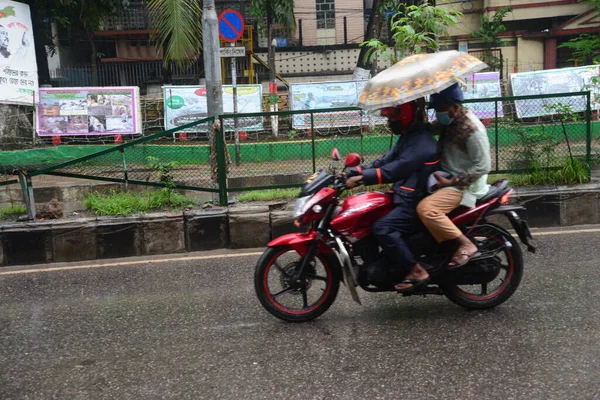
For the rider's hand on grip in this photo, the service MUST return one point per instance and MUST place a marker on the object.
(354, 181)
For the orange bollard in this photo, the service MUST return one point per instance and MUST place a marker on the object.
(118, 138)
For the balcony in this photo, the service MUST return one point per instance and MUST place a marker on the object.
(133, 18)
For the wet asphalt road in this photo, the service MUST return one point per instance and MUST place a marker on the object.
(193, 329)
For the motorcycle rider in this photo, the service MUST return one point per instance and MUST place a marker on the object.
(408, 164)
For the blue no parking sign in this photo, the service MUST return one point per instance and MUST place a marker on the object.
(231, 25)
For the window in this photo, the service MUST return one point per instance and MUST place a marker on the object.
(325, 14)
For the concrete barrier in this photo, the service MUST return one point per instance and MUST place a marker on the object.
(237, 227)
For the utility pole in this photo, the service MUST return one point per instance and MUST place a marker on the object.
(214, 95)
(212, 60)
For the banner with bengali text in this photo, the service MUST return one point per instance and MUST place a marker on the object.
(18, 67)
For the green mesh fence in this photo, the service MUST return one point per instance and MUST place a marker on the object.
(277, 150)
(164, 159)
(540, 131)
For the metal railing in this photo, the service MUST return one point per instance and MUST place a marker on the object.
(279, 150)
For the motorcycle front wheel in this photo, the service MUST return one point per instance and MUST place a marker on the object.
(295, 301)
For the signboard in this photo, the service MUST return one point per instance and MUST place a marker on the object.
(232, 52)
(484, 85)
(565, 80)
(186, 104)
(89, 111)
(231, 25)
(18, 67)
(323, 95)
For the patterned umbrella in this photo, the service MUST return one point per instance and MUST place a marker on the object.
(417, 76)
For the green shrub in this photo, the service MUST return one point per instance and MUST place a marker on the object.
(126, 203)
(10, 211)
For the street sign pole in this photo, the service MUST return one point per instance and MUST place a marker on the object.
(231, 29)
(235, 108)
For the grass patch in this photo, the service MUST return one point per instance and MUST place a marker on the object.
(571, 173)
(270, 194)
(115, 203)
(10, 211)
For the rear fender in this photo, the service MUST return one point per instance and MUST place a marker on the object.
(519, 225)
(300, 242)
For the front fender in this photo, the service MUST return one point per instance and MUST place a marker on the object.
(300, 242)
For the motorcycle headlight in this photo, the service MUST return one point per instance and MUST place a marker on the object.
(300, 205)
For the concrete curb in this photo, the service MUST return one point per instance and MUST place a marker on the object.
(237, 227)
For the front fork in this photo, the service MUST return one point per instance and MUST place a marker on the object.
(339, 249)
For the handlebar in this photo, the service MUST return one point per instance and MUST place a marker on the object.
(340, 183)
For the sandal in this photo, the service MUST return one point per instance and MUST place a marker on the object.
(416, 283)
(466, 257)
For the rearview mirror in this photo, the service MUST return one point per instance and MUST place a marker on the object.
(352, 160)
(335, 155)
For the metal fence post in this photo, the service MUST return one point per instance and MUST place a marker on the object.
(496, 129)
(588, 138)
(312, 135)
(221, 165)
(125, 177)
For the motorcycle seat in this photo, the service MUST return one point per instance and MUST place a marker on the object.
(494, 191)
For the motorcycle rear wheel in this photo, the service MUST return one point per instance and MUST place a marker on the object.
(271, 282)
(513, 267)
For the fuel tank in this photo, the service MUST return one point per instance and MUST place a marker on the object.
(359, 213)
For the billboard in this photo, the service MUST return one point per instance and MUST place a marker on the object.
(323, 95)
(484, 85)
(18, 67)
(564, 80)
(186, 104)
(89, 111)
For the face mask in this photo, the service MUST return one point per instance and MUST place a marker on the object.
(443, 117)
(396, 127)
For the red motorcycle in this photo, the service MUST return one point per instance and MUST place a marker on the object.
(298, 276)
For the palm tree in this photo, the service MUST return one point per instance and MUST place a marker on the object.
(268, 13)
(177, 31)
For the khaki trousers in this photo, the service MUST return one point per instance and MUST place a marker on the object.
(432, 211)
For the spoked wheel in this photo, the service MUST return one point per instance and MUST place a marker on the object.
(295, 300)
(506, 266)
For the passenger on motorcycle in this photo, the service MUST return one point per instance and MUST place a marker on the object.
(465, 154)
(408, 164)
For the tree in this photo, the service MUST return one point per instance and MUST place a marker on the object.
(415, 29)
(177, 31)
(489, 33)
(375, 26)
(586, 47)
(268, 13)
(365, 63)
(79, 16)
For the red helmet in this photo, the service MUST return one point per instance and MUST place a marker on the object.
(405, 113)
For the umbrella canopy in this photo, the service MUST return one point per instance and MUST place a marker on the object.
(417, 76)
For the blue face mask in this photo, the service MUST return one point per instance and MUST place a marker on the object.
(443, 117)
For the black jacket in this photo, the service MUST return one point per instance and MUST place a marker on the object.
(408, 164)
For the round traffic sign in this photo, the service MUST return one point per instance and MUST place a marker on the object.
(231, 25)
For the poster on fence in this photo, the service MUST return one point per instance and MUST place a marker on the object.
(186, 104)
(484, 85)
(18, 67)
(324, 95)
(89, 111)
(565, 80)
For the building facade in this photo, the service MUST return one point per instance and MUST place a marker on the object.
(534, 31)
(325, 44)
